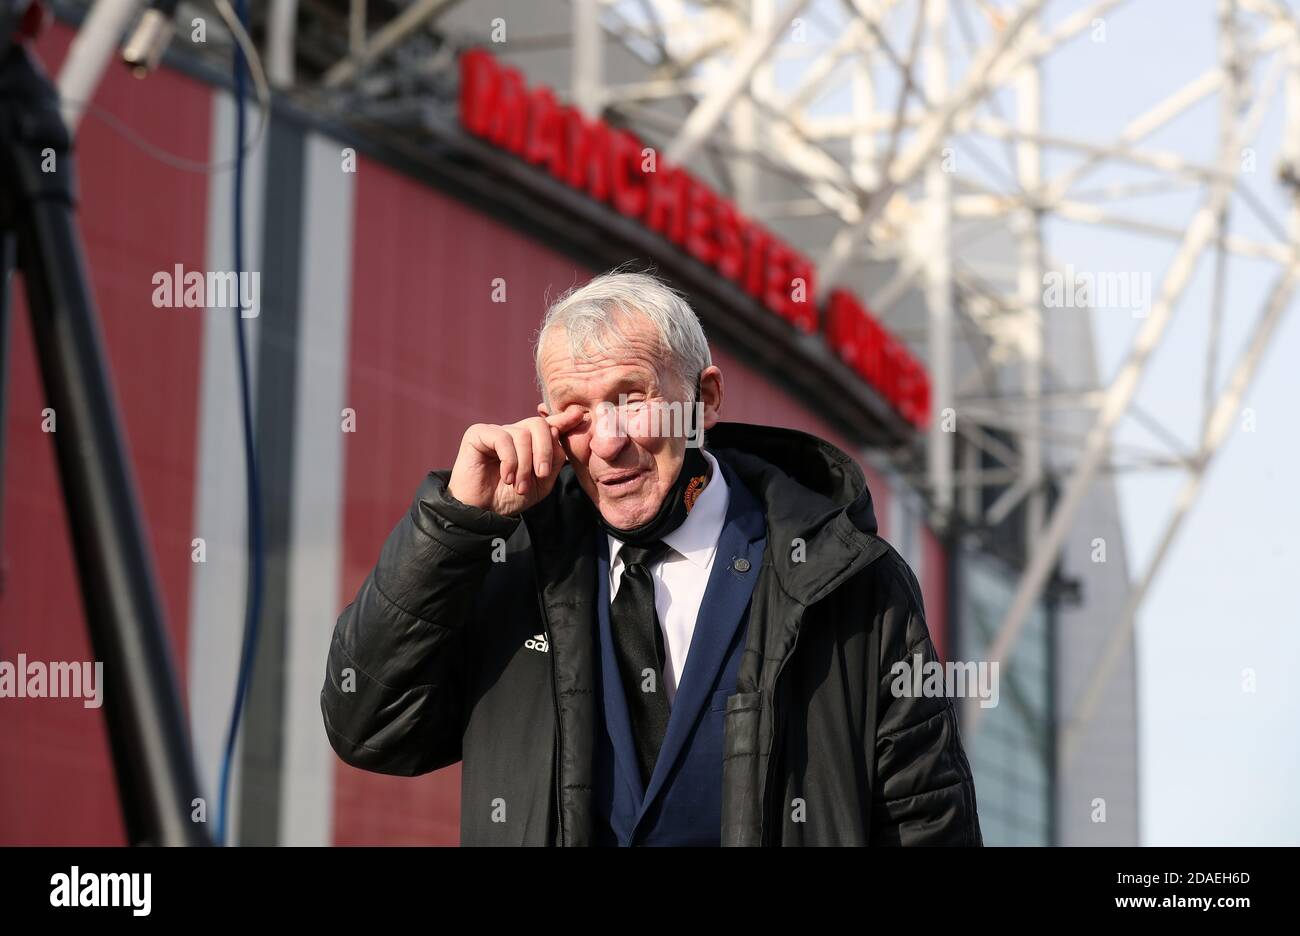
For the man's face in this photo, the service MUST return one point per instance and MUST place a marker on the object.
(625, 465)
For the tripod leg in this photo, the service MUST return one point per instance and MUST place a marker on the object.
(8, 260)
(152, 759)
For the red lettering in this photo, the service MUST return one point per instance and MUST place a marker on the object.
(507, 126)
(777, 295)
(667, 209)
(731, 244)
(873, 352)
(891, 361)
(756, 261)
(701, 224)
(588, 155)
(844, 328)
(546, 134)
(921, 399)
(629, 183)
(801, 307)
(478, 90)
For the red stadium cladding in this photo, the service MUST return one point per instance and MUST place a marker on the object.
(615, 167)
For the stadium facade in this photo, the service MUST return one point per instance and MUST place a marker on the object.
(401, 286)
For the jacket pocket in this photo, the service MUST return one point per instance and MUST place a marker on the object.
(740, 730)
(719, 702)
(741, 769)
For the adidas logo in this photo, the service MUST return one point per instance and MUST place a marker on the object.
(538, 642)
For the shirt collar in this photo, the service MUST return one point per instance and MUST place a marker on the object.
(697, 537)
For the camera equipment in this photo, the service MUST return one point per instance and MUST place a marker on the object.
(152, 760)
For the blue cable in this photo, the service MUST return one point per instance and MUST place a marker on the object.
(253, 598)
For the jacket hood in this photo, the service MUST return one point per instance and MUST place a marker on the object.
(821, 479)
(821, 527)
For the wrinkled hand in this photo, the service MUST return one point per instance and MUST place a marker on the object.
(507, 469)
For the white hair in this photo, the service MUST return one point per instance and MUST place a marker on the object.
(587, 315)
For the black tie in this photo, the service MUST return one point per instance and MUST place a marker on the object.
(638, 646)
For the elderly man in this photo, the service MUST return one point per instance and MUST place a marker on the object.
(629, 638)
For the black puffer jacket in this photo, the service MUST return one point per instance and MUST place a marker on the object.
(428, 666)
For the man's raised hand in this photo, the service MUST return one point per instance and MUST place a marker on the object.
(507, 469)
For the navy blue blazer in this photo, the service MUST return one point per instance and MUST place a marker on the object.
(683, 803)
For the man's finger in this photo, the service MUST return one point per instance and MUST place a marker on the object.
(558, 455)
(542, 446)
(495, 440)
(524, 448)
(567, 420)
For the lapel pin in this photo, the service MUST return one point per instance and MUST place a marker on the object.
(740, 565)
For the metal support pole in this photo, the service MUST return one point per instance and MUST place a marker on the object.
(938, 289)
(281, 30)
(749, 132)
(587, 65)
(1029, 165)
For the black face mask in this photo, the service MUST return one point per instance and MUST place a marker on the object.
(672, 512)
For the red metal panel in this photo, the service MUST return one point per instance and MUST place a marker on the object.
(934, 589)
(749, 396)
(137, 217)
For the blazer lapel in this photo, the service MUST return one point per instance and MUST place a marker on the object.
(726, 597)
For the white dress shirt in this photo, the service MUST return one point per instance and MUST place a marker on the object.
(683, 574)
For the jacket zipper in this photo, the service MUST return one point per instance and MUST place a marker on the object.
(555, 699)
